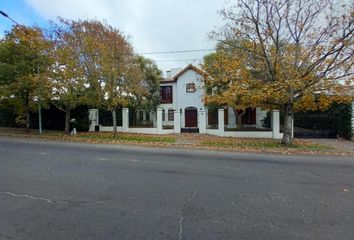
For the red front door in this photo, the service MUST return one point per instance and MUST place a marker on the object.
(191, 117)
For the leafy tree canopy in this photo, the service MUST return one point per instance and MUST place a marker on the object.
(286, 54)
(24, 67)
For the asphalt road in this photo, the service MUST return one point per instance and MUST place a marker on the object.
(53, 190)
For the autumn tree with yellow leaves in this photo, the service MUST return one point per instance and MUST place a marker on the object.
(120, 72)
(145, 95)
(25, 62)
(290, 55)
(229, 81)
(67, 73)
(108, 64)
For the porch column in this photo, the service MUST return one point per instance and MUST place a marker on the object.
(221, 122)
(137, 120)
(94, 119)
(125, 119)
(153, 118)
(159, 120)
(177, 121)
(202, 121)
(260, 115)
(232, 118)
(144, 115)
(275, 124)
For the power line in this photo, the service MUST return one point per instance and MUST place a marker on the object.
(7, 16)
(179, 60)
(181, 51)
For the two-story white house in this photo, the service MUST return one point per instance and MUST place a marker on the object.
(182, 109)
(183, 90)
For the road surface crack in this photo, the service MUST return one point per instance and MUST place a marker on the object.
(26, 196)
(181, 219)
(50, 201)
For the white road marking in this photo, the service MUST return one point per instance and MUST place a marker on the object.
(44, 153)
(132, 160)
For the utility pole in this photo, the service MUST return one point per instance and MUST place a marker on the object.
(39, 105)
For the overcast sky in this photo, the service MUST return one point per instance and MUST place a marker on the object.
(152, 25)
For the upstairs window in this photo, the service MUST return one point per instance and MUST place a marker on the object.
(166, 94)
(190, 87)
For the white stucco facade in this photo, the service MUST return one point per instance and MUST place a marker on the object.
(181, 99)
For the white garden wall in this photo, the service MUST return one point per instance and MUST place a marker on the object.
(143, 130)
(254, 134)
(202, 117)
(110, 129)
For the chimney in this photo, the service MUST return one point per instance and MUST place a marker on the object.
(168, 74)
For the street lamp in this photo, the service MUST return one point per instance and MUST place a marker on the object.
(39, 99)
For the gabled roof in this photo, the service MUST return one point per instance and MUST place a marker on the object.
(189, 67)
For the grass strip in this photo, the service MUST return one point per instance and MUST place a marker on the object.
(124, 137)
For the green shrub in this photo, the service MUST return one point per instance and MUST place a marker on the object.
(81, 115)
(337, 118)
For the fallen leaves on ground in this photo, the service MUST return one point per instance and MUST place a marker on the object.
(191, 141)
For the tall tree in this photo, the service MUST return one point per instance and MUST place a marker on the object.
(227, 82)
(108, 64)
(68, 81)
(119, 70)
(146, 94)
(299, 53)
(24, 67)
(88, 35)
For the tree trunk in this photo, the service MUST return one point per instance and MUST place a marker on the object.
(135, 116)
(27, 112)
(239, 121)
(67, 121)
(288, 124)
(239, 117)
(114, 117)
